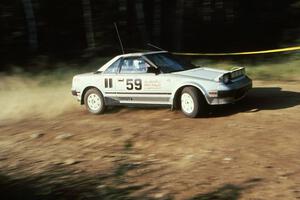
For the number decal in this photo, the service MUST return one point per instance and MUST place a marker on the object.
(129, 83)
(138, 84)
(133, 84)
(108, 83)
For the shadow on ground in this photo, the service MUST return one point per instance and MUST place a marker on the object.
(228, 191)
(264, 98)
(62, 183)
(58, 184)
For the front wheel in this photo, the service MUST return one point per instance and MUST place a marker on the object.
(94, 101)
(192, 102)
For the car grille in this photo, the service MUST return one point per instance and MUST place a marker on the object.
(238, 93)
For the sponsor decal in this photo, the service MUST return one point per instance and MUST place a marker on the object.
(152, 84)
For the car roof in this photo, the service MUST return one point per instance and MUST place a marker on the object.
(140, 53)
(106, 65)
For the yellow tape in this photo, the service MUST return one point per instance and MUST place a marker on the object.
(240, 53)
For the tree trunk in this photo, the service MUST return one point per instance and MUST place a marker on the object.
(141, 20)
(157, 21)
(178, 24)
(31, 25)
(88, 23)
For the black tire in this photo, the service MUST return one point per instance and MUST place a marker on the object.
(199, 103)
(98, 108)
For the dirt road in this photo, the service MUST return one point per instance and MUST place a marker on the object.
(250, 150)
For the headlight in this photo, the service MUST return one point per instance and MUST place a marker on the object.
(225, 78)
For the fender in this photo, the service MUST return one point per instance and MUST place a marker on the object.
(196, 85)
(82, 93)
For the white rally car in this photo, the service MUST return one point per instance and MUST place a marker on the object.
(159, 78)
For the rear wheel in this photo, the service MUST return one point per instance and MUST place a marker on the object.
(192, 102)
(94, 101)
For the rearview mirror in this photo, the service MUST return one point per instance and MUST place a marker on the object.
(153, 70)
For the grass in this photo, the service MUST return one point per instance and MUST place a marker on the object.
(287, 70)
(23, 96)
(43, 94)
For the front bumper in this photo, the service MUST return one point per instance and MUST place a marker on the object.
(235, 93)
(230, 96)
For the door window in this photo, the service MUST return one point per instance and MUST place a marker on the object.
(134, 66)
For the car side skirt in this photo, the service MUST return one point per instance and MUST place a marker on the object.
(113, 100)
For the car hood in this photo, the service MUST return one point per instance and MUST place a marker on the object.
(203, 73)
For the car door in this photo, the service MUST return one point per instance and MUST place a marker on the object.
(109, 83)
(136, 85)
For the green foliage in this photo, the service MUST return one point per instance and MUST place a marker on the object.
(47, 73)
(286, 70)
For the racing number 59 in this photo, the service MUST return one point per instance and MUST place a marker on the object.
(133, 84)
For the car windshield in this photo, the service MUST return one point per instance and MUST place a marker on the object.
(169, 63)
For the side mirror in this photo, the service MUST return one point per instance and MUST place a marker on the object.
(153, 70)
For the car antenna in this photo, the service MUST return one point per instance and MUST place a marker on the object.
(121, 44)
(156, 47)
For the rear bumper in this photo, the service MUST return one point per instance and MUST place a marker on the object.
(74, 92)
